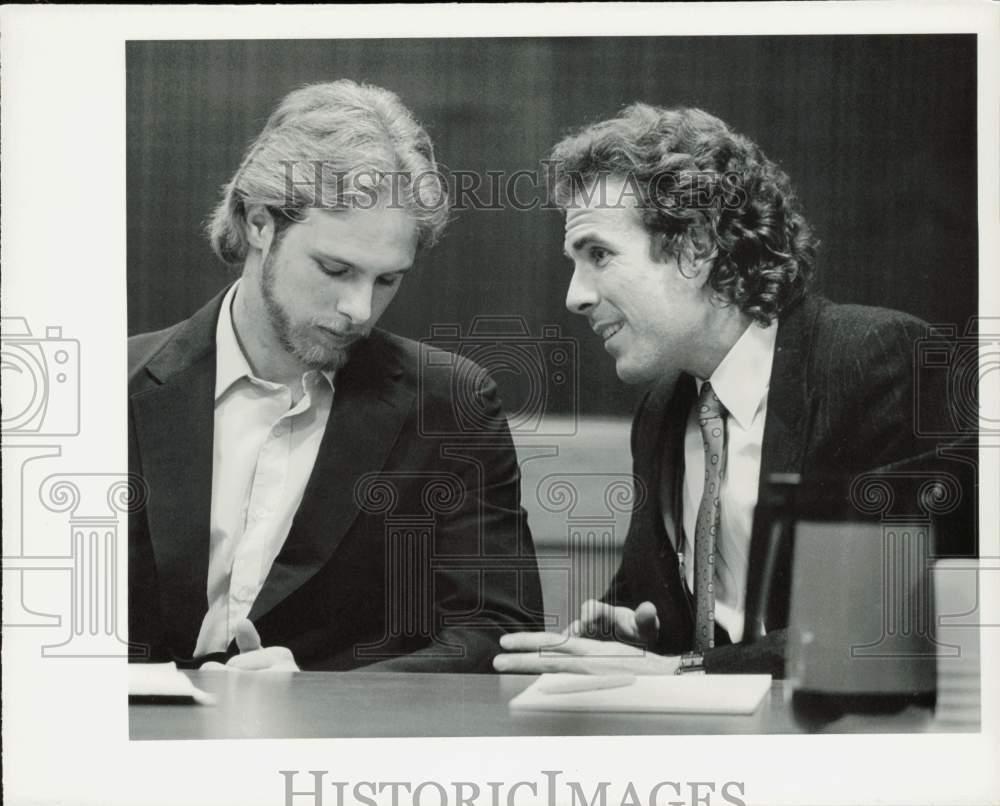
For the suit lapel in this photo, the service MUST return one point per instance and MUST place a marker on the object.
(660, 463)
(789, 410)
(789, 402)
(790, 414)
(174, 422)
(371, 403)
(670, 458)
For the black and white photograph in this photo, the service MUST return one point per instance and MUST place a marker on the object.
(510, 409)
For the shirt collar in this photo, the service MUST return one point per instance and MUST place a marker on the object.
(742, 378)
(231, 363)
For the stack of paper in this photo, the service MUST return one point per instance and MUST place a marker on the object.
(679, 694)
(163, 683)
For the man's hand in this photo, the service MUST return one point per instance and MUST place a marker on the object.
(540, 652)
(253, 656)
(607, 623)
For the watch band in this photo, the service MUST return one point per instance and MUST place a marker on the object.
(690, 662)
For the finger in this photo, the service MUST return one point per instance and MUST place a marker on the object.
(274, 657)
(606, 622)
(644, 663)
(535, 663)
(573, 629)
(212, 666)
(556, 644)
(247, 637)
(529, 641)
(647, 623)
(595, 615)
(252, 661)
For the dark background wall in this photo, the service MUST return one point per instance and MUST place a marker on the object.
(877, 132)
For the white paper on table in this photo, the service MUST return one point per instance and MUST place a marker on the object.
(736, 694)
(163, 682)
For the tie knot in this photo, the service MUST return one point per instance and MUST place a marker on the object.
(709, 405)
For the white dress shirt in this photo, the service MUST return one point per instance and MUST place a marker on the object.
(263, 453)
(741, 383)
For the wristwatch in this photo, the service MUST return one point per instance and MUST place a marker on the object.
(690, 663)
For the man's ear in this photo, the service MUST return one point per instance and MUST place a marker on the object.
(698, 253)
(259, 227)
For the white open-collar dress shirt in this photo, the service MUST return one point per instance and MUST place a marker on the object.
(263, 452)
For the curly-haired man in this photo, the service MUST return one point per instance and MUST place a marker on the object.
(691, 261)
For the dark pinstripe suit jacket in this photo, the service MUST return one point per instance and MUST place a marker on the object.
(841, 401)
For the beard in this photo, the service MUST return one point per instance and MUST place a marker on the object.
(310, 342)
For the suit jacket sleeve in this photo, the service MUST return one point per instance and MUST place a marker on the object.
(496, 588)
(620, 590)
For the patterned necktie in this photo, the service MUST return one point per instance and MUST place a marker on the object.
(712, 419)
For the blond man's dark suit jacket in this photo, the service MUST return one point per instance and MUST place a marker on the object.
(354, 583)
(840, 402)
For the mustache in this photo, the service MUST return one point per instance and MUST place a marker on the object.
(340, 331)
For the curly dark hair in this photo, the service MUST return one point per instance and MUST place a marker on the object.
(704, 190)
